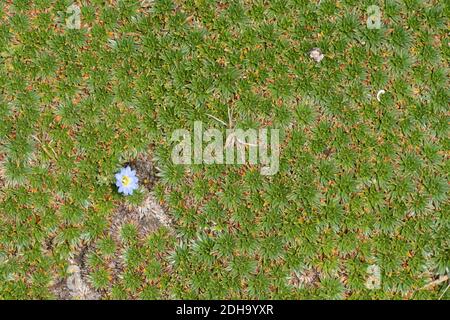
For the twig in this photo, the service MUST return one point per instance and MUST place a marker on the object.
(45, 149)
(444, 292)
(217, 119)
(435, 282)
(232, 136)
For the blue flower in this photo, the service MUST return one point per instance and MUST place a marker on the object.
(126, 181)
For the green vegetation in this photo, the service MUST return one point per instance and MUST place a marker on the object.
(361, 182)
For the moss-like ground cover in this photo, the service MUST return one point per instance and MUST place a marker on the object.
(362, 184)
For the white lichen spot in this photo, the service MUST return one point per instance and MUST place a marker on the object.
(379, 93)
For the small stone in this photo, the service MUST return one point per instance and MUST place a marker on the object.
(316, 54)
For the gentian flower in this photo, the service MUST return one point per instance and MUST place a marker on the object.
(126, 181)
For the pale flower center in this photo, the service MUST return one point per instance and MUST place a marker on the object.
(126, 181)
